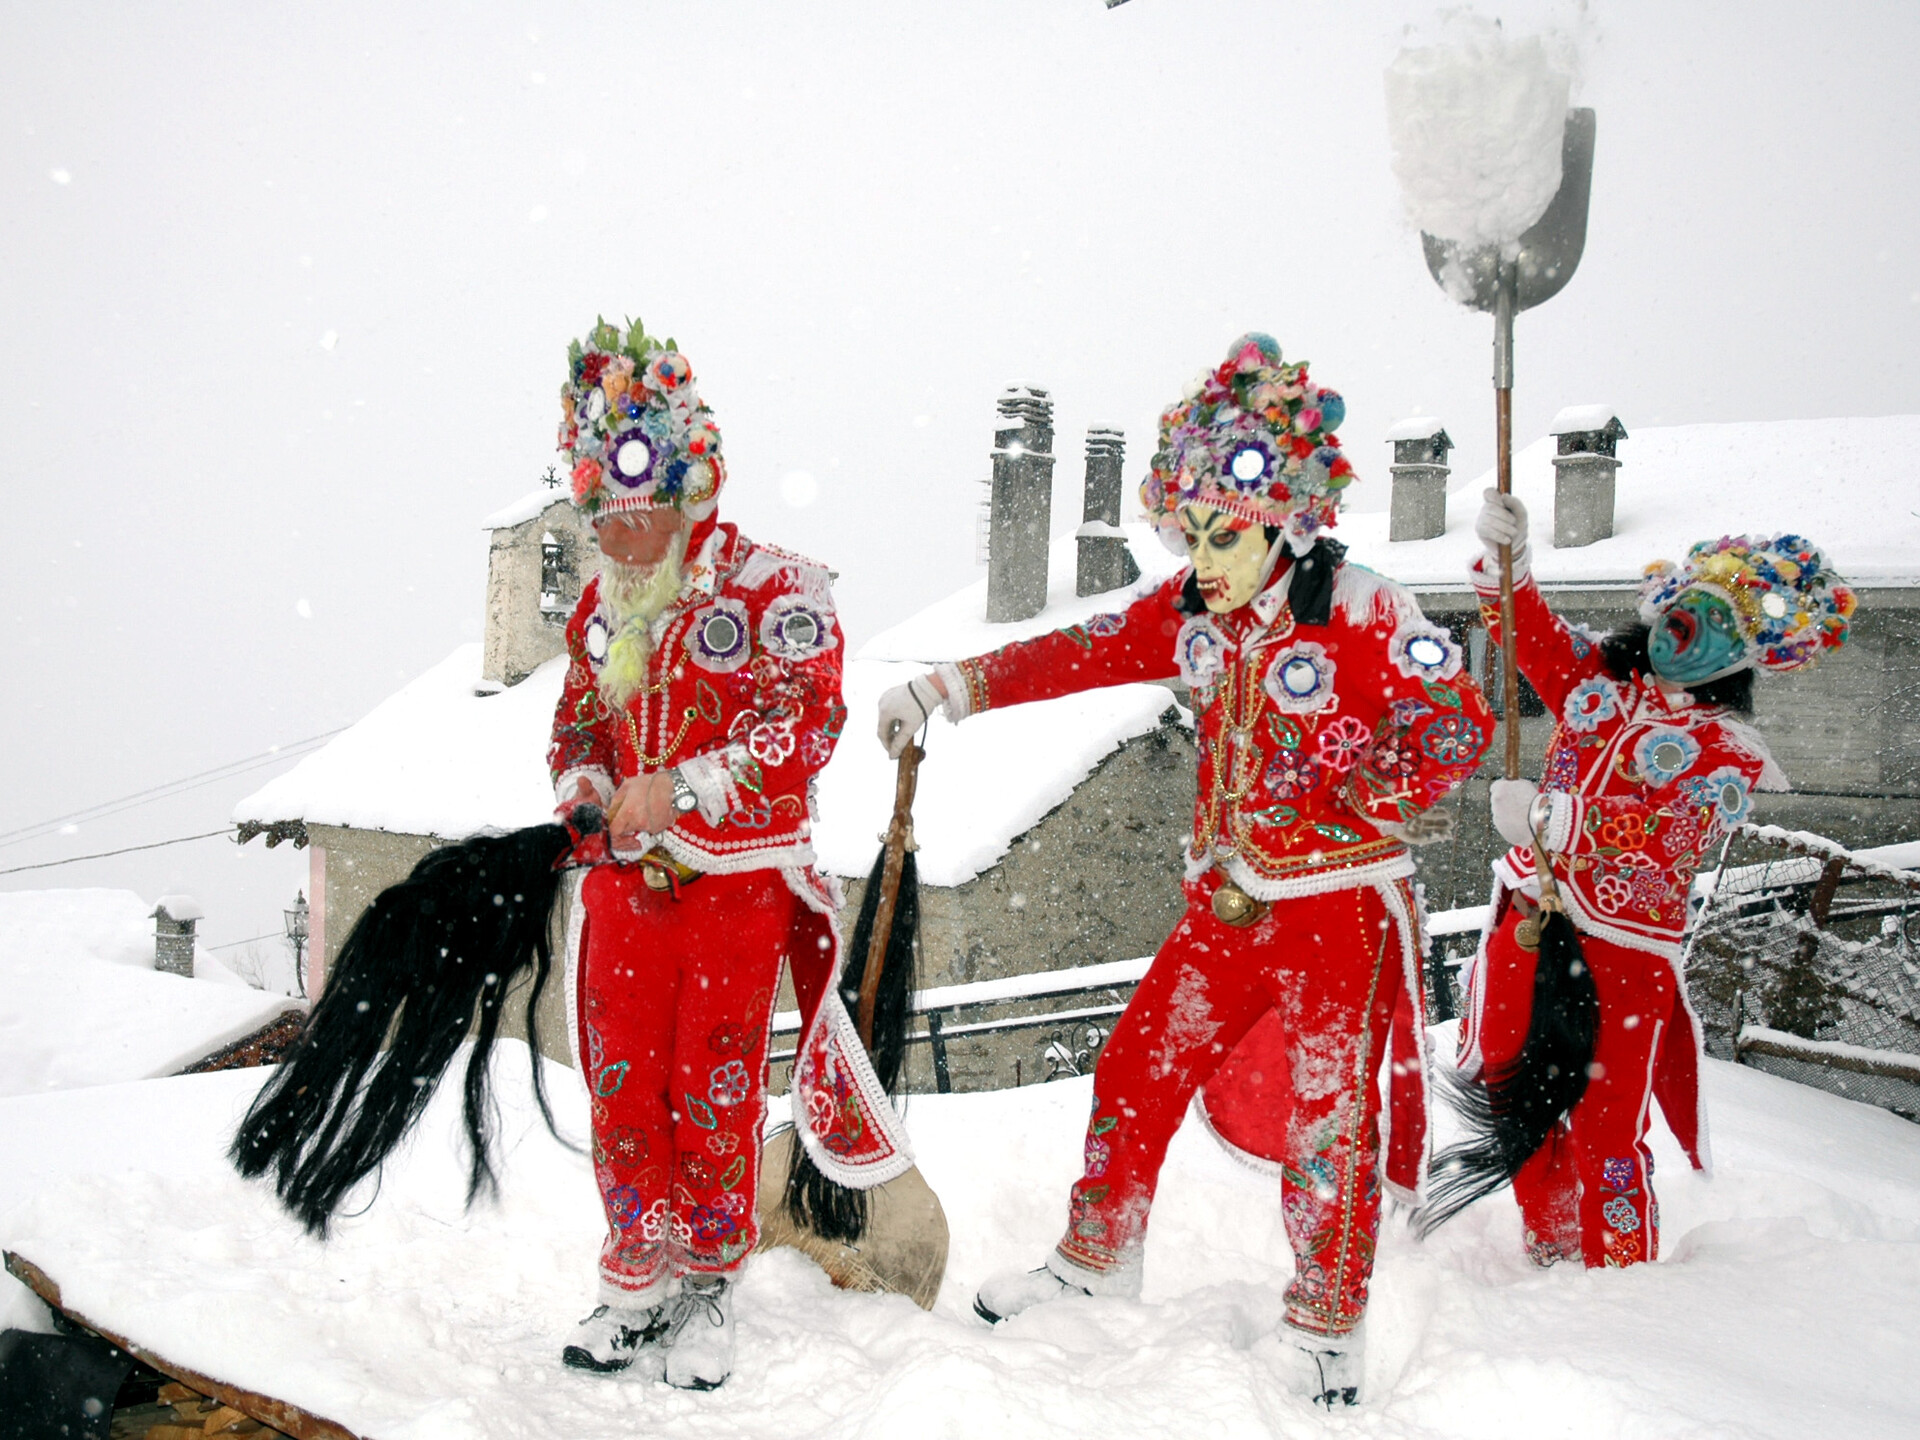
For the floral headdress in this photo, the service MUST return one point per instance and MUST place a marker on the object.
(1255, 439)
(1790, 605)
(636, 433)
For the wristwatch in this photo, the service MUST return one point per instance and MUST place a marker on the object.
(684, 800)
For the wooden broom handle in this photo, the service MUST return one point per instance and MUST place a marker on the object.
(899, 839)
(1509, 666)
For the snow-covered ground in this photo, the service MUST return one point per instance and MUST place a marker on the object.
(1783, 1306)
(81, 1004)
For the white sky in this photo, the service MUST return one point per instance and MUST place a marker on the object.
(861, 221)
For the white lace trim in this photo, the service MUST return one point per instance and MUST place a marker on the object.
(959, 704)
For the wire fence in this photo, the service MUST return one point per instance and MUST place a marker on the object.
(1803, 959)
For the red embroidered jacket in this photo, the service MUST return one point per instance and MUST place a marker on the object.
(1644, 785)
(1307, 733)
(742, 695)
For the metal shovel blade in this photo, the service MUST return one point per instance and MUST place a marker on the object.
(1549, 250)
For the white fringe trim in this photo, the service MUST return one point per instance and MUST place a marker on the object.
(576, 922)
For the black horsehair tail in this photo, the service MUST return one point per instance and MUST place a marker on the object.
(830, 1210)
(448, 940)
(1515, 1110)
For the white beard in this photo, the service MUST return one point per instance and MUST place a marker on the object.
(636, 595)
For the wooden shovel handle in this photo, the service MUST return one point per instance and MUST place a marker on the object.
(899, 840)
(1509, 667)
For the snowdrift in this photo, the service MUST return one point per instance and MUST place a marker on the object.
(1781, 1308)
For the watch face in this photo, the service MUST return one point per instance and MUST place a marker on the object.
(684, 803)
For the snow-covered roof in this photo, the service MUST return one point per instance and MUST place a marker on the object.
(527, 507)
(1415, 427)
(1576, 419)
(957, 626)
(437, 760)
(432, 759)
(81, 1004)
(1847, 485)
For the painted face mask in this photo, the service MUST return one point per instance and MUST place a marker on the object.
(1696, 639)
(1229, 556)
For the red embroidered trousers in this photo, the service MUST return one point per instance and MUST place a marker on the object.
(1588, 1192)
(675, 996)
(1329, 966)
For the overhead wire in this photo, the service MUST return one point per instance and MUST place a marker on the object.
(42, 828)
(124, 850)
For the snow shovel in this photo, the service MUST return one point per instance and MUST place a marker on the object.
(1484, 279)
(1508, 1115)
(893, 1237)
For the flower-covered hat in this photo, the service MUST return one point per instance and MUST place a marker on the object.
(1790, 605)
(636, 433)
(1254, 438)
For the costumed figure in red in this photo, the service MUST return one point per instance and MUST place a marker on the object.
(1331, 717)
(1649, 766)
(702, 696)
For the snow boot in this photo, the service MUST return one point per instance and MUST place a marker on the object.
(700, 1341)
(1325, 1369)
(1011, 1291)
(613, 1336)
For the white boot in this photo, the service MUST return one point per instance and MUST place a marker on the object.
(1011, 1291)
(700, 1340)
(1325, 1369)
(614, 1336)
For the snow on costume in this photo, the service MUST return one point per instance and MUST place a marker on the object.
(677, 943)
(1331, 715)
(1640, 782)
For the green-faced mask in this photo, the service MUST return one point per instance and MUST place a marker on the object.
(1696, 639)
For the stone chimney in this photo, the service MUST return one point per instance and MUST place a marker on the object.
(1020, 507)
(1420, 471)
(1583, 466)
(1104, 563)
(174, 920)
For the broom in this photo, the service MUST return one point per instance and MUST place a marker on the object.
(877, 985)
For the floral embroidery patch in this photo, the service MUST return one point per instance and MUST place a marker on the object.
(1589, 703)
(1300, 679)
(1452, 740)
(1106, 624)
(1342, 744)
(1664, 755)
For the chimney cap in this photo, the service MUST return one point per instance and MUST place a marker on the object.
(1588, 420)
(1420, 427)
(178, 908)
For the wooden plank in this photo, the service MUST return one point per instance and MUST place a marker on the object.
(277, 1413)
(1854, 1064)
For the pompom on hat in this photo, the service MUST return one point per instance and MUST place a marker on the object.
(1253, 438)
(1790, 605)
(636, 434)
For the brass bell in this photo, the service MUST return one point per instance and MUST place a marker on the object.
(1527, 933)
(1233, 906)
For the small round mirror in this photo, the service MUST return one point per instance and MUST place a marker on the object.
(1774, 605)
(1249, 464)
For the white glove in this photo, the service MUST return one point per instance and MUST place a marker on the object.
(903, 710)
(1503, 521)
(1512, 804)
(1429, 827)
